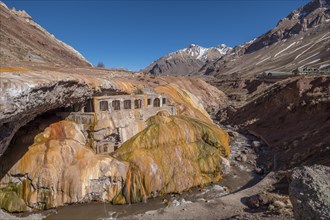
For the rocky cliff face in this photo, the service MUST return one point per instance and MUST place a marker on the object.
(24, 42)
(300, 39)
(308, 16)
(59, 168)
(186, 60)
(197, 90)
(172, 154)
(292, 117)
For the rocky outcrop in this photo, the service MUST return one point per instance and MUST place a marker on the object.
(16, 111)
(26, 94)
(308, 16)
(186, 102)
(59, 168)
(172, 154)
(310, 192)
(292, 117)
(24, 42)
(196, 90)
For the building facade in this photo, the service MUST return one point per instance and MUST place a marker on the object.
(108, 121)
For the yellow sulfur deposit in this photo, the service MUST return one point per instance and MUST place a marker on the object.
(186, 103)
(173, 154)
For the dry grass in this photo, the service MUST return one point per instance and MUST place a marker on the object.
(13, 69)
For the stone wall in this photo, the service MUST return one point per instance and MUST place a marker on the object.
(115, 119)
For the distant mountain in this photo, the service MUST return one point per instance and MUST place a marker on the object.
(300, 39)
(187, 60)
(24, 42)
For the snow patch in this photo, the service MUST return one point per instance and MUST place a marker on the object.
(199, 52)
(262, 60)
(324, 65)
(251, 41)
(324, 37)
(314, 61)
(309, 57)
(285, 49)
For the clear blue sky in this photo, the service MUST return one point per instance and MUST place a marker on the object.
(132, 34)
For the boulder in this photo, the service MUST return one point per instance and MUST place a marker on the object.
(309, 191)
(225, 166)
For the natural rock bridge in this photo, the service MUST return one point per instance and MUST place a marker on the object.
(108, 121)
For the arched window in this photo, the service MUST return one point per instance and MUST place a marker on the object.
(156, 102)
(164, 101)
(116, 105)
(127, 104)
(104, 106)
(137, 103)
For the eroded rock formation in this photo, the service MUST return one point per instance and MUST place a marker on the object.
(59, 168)
(172, 154)
(27, 93)
(61, 156)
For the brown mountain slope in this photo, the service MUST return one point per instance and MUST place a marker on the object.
(292, 116)
(23, 42)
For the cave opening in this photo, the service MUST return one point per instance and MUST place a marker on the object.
(24, 137)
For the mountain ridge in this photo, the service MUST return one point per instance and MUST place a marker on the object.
(281, 48)
(187, 60)
(25, 41)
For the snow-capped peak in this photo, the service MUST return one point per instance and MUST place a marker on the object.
(195, 51)
(223, 49)
(202, 53)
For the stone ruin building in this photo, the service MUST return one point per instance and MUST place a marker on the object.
(108, 121)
